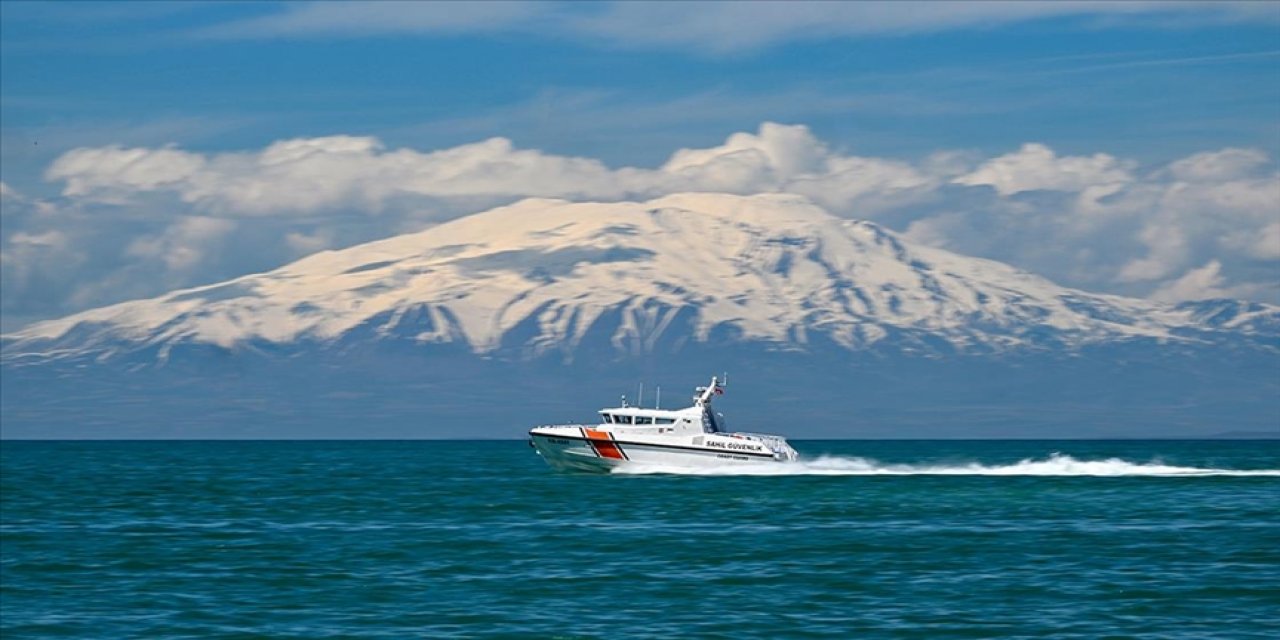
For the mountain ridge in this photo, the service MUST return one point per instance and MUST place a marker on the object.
(770, 268)
(545, 310)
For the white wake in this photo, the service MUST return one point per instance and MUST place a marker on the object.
(1055, 465)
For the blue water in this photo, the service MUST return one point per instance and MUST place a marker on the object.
(480, 539)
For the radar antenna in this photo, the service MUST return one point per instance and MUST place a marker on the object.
(703, 395)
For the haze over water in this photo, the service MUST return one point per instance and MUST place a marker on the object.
(923, 539)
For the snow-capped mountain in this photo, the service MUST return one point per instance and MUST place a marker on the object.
(546, 309)
(540, 275)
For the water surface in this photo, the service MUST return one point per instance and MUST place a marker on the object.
(916, 539)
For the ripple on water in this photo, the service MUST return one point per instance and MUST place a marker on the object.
(480, 539)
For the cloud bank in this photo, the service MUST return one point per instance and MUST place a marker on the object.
(315, 175)
(139, 221)
(709, 27)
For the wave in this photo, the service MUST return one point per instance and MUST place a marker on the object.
(1055, 464)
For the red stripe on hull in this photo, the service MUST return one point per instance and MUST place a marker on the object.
(603, 443)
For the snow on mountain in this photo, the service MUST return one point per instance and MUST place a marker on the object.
(770, 268)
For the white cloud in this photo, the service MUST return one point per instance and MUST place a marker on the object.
(1166, 250)
(1247, 198)
(113, 170)
(1216, 166)
(784, 150)
(46, 240)
(1036, 167)
(306, 176)
(1203, 283)
(376, 17)
(786, 158)
(862, 185)
(716, 27)
(302, 243)
(35, 262)
(1206, 224)
(185, 244)
(728, 27)
(315, 174)
(1266, 245)
(936, 231)
(1262, 244)
(26, 254)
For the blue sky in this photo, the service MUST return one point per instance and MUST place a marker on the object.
(1146, 85)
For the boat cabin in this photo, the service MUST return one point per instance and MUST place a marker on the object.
(637, 420)
(638, 416)
(698, 418)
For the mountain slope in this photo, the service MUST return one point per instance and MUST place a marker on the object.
(545, 310)
(541, 274)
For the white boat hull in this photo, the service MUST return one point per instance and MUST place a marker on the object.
(586, 449)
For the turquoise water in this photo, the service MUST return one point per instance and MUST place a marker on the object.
(480, 539)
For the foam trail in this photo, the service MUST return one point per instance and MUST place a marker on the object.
(1055, 465)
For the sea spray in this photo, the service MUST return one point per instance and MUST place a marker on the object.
(1056, 464)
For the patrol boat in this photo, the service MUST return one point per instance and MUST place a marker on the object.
(691, 437)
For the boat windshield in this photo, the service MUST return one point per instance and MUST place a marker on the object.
(610, 418)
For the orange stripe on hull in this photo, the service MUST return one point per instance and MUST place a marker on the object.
(603, 443)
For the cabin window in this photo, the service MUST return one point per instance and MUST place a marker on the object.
(622, 419)
(608, 419)
(664, 420)
(644, 420)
